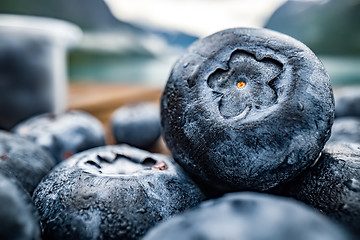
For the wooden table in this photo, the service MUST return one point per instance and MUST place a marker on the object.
(101, 100)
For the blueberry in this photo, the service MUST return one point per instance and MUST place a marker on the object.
(246, 109)
(347, 102)
(249, 216)
(345, 129)
(19, 219)
(24, 160)
(137, 125)
(112, 192)
(332, 184)
(64, 134)
(25, 86)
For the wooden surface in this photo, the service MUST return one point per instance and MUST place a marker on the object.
(101, 100)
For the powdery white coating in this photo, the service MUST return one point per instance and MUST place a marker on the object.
(82, 198)
(332, 185)
(19, 219)
(252, 137)
(249, 216)
(65, 134)
(24, 160)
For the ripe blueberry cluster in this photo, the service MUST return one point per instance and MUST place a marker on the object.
(251, 110)
(246, 111)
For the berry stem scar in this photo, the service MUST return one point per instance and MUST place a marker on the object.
(241, 84)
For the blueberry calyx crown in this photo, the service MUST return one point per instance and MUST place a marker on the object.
(112, 163)
(247, 83)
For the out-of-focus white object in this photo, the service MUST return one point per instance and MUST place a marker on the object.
(197, 17)
(35, 46)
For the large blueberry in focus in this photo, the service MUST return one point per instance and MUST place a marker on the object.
(249, 216)
(18, 216)
(345, 129)
(24, 160)
(113, 192)
(347, 101)
(332, 184)
(246, 109)
(137, 125)
(64, 134)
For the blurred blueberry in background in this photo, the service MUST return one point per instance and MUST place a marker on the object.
(32, 66)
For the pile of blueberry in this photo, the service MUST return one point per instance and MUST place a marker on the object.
(246, 114)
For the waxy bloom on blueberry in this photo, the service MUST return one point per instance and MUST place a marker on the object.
(226, 98)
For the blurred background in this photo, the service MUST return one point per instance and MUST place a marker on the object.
(138, 41)
(123, 50)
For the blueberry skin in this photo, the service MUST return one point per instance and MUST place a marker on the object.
(137, 125)
(19, 218)
(345, 129)
(25, 73)
(112, 192)
(24, 160)
(65, 134)
(347, 102)
(246, 109)
(249, 216)
(332, 184)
